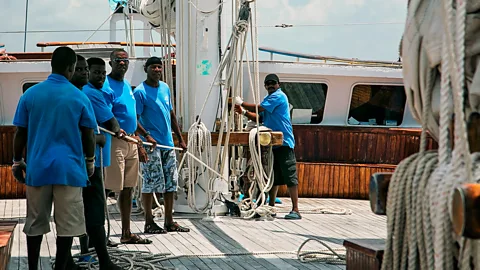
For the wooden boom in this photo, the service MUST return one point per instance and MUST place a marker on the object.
(238, 138)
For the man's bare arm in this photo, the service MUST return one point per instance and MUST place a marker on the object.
(251, 107)
(19, 143)
(143, 132)
(112, 125)
(88, 141)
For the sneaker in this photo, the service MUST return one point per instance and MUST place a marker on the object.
(293, 215)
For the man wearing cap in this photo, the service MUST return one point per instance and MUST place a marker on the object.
(156, 116)
(274, 113)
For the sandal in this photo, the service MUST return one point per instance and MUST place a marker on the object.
(154, 229)
(135, 239)
(175, 227)
(110, 243)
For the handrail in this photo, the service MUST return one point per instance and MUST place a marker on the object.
(328, 58)
(122, 43)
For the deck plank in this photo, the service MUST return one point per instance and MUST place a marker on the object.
(227, 235)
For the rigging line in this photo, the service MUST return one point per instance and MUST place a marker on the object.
(106, 20)
(260, 26)
(331, 24)
(206, 12)
(74, 30)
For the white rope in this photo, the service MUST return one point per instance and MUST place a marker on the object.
(200, 143)
(133, 260)
(171, 147)
(261, 180)
(421, 189)
(206, 13)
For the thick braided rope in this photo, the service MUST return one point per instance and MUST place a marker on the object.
(394, 204)
(462, 167)
(460, 121)
(426, 165)
(423, 217)
(436, 181)
(415, 176)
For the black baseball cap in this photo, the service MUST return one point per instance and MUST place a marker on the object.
(271, 77)
(153, 60)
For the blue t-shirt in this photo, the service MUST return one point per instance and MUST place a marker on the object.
(53, 112)
(103, 113)
(123, 104)
(276, 116)
(154, 107)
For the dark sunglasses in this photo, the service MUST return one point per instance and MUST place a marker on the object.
(118, 60)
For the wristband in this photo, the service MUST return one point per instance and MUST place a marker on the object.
(244, 112)
(90, 159)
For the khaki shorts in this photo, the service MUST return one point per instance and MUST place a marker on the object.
(123, 170)
(68, 210)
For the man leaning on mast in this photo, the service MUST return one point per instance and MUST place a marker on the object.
(55, 122)
(156, 115)
(274, 113)
(123, 173)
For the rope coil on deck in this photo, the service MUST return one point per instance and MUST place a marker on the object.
(139, 260)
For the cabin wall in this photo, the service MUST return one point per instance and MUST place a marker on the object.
(11, 91)
(356, 145)
(334, 180)
(337, 162)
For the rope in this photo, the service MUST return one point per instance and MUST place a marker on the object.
(133, 260)
(419, 199)
(200, 143)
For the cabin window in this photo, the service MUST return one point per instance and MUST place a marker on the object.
(27, 85)
(307, 101)
(381, 105)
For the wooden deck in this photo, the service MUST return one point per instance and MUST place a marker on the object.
(228, 235)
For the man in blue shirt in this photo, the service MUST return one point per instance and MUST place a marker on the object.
(93, 193)
(123, 172)
(156, 115)
(274, 113)
(55, 122)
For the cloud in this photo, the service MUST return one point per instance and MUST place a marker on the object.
(50, 15)
(368, 41)
(325, 35)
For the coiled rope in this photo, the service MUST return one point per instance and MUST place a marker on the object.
(419, 210)
(139, 260)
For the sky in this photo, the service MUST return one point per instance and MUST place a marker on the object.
(363, 29)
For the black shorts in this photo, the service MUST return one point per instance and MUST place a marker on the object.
(284, 167)
(93, 200)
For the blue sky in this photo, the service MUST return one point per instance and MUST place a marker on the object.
(319, 25)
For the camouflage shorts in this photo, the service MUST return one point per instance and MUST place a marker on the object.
(160, 172)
